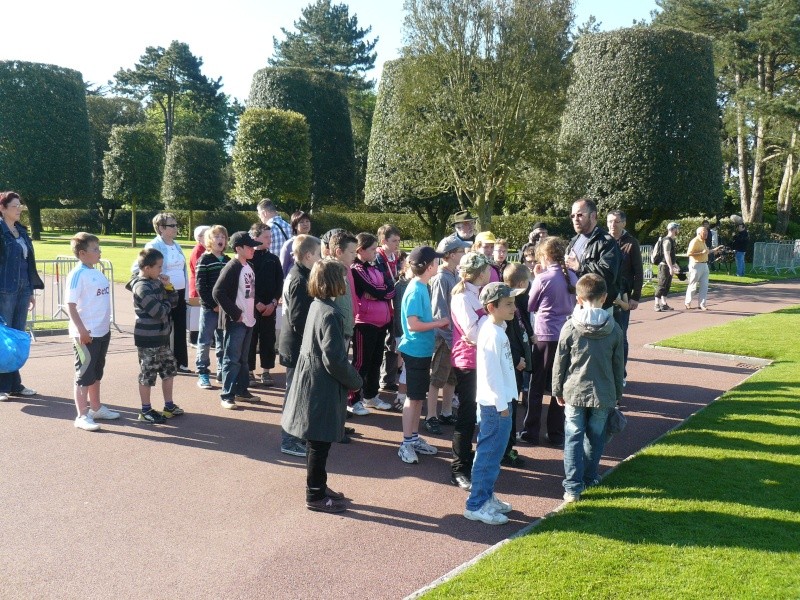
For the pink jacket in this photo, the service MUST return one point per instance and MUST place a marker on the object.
(375, 293)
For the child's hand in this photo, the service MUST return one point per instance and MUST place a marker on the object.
(444, 323)
(538, 269)
(85, 336)
(560, 400)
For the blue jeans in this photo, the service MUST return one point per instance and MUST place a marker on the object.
(740, 264)
(584, 440)
(208, 332)
(235, 376)
(492, 439)
(14, 309)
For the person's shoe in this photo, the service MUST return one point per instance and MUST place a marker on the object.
(252, 379)
(522, 437)
(172, 412)
(389, 387)
(666, 307)
(461, 480)
(688, 306)
(86, 423)
(500, 506)
(246, 396)
(26, 391)
(571, 497)
(593, 482)
(407, 454)
(447, 420)
(554, 441)
(376, 402)
(512, 459)
(267, 380)
(658, 308)
(229, 404)
(349, 430)
(104, 413)
(326, 505)
(204, 382)
(3, 397)
(346, 439)
(335, 495)
(359, 409)
(399, 402)
(294, 448)
(153, 417)
(219, 377)
(432, 426)
(423, 447)
(486, 514)
(703, 307)
(184, 370)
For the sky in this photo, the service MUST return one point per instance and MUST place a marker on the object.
(234, 38)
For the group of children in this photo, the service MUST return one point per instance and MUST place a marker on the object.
(464, 327)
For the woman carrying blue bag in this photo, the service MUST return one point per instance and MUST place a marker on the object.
(18, 279)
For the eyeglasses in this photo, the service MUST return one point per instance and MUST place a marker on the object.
(170, 225)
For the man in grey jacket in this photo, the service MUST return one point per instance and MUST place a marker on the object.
(587, 381)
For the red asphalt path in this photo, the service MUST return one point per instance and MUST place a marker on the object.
(206, 506)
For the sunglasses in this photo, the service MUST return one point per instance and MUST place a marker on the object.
(170, 225)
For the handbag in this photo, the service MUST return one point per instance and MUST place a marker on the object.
(15, 346)
(616, 423)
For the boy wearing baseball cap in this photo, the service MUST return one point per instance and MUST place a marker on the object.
(416, 347)
(497, 389)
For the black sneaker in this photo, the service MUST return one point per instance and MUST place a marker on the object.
(432, 426)
(512, 459)
(447, 420)
(153, 417)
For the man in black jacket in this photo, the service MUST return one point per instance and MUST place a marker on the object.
(593, 250)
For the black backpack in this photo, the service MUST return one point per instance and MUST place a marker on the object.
(657, 254)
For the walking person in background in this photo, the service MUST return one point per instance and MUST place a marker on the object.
(281, 230)
(740, 242)
(665, 258)
(316, 405)
(698, 253)
(18, 279)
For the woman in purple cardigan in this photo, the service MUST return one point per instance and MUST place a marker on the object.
(552, 298)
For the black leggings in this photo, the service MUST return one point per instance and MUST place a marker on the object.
(178, 315)
(316, 475)
(464, 430)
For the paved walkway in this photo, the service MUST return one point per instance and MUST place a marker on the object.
(207, 507)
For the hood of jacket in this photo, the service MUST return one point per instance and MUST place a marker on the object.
(592, 322)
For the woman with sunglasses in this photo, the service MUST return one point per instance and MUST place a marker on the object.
(18, 279)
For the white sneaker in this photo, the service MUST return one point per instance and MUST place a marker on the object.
(423, 447)
(104, 413)
(376, 402)
(571, 497)
(500, 506)
(407, 454)
(26, 392)
(486, 514)
(229, 404)
(359, 409)
(3, 397)
(86, 423)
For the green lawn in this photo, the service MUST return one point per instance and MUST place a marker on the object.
(710, 511)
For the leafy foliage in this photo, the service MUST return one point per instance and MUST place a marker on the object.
(320, 97)
(133, 168)
(327, 37)
(272, 158)
(45, 147)
(168, 77)
(641, 128)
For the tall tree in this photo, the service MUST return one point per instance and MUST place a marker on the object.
(164, 78)
(491, 76)
(45, 148)
(105, 113)
(757, 50)
(133, 167)
(327, 37)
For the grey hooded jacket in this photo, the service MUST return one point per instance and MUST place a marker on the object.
(589, 365)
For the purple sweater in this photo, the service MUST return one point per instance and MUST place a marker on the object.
(552, 303)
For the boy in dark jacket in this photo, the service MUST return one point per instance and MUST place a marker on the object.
(235, 293)
(154, 297)
(208, 270)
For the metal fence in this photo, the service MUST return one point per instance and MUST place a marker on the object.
(51, 302)
(776, 256)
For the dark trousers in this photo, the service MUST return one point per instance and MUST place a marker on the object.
(389, 368)
(543, 354)
(367, 358)
(464, 430)
(178, 315)
(623, 318)
(664, 281)
(316, 474)
(512, 439)
(263, 342)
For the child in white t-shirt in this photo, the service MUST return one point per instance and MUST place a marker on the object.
(496, 390)
(89, 307)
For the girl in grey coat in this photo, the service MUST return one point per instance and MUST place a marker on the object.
(316, 406)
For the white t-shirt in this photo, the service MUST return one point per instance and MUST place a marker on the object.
(246, 295)
(174, 263)
(90, 291)
(497, 385)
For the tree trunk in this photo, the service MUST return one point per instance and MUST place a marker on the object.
(785, 192)
(34, 217)
(190, 234)
(741, 150)
(756, 214)
(133, 224)
(483, 210)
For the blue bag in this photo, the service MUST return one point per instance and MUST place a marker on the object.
(15, 346)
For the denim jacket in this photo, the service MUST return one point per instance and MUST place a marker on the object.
(12, 261)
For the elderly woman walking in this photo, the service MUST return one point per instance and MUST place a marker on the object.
(18, 279)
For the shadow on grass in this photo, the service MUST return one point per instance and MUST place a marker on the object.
(714, 440)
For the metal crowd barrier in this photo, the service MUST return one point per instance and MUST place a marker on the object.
(776, 256)
(51, 302)
(647, 266)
